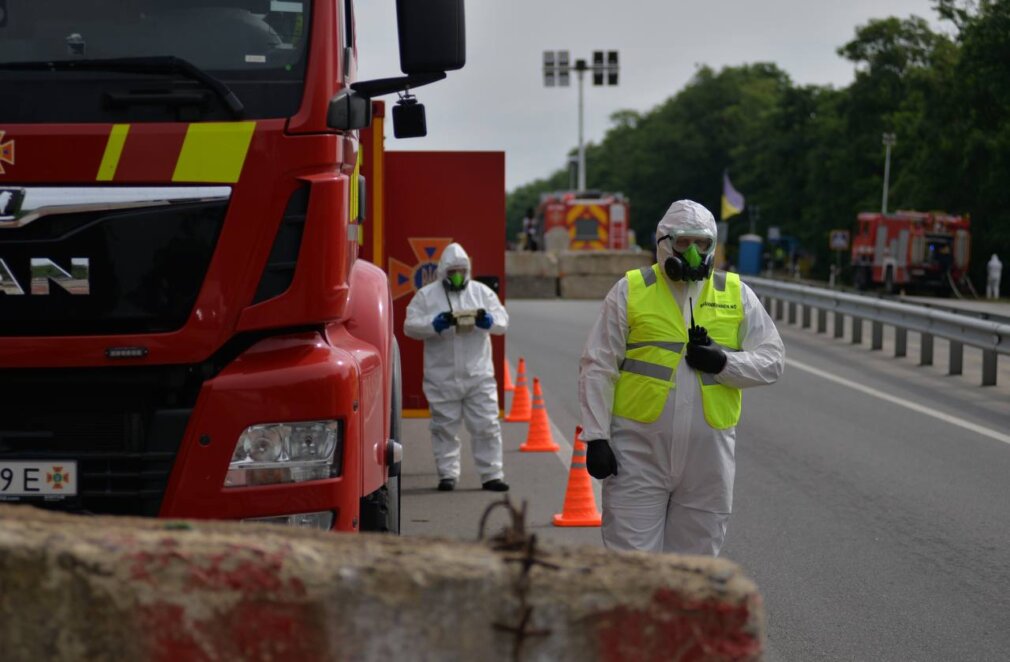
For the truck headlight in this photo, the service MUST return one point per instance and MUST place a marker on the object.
(273, 453)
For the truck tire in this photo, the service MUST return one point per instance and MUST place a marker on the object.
(861, 276)
(889, 280)
(380, 510)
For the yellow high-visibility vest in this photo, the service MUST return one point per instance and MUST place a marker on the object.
(657, 341)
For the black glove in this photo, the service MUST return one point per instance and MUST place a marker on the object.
(442, 322)
(484, 320)
(702, 353)
(600, 460)
(698, 335)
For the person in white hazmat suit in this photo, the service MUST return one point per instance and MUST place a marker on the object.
(994, 269)
(459, 378)
(660, 395)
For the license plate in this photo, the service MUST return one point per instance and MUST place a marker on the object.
(38, 479)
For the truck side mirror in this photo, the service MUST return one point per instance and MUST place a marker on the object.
(432, 35)
(349, 110)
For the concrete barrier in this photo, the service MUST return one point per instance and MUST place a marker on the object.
(531, 275)
(587, 286)
(591, 274)
(91, 588)
(522, 263)
(531, 287)
(601, 263)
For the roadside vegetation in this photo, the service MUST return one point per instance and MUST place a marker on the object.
(811, 156)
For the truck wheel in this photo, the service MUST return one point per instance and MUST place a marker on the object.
(861, 278)
(380, 510)
(889, 280)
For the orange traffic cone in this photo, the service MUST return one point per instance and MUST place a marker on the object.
(580, 502)
(521, 409)
(509, 386)
(539, 439)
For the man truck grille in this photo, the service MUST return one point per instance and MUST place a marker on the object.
(122, 427)
(86, 261)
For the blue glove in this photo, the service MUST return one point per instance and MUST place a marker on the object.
(442, 322)
(484, 319)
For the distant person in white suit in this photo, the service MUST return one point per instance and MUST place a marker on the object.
(995, 269)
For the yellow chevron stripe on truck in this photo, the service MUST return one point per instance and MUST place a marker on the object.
(113, 150)
(214, 152)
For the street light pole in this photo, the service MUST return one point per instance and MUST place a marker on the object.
(557, 74)
(889, 140)
(580, 68)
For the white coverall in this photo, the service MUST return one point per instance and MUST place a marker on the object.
(995, 273)
(673, 490)
(458, 372)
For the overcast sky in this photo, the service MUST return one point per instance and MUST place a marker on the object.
(498, 101)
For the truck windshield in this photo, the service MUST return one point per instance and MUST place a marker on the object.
(257, 48)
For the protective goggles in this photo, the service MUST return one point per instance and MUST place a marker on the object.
(682, 242)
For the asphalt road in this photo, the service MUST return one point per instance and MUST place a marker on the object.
(872, 495)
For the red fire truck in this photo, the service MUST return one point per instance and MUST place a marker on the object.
(185, 328)
(910, 249)
(584, 221)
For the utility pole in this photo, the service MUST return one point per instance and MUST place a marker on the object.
(889, 140)
(755, 214)
(557, 73)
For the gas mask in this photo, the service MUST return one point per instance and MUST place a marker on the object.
(687, 262)
(455, 281)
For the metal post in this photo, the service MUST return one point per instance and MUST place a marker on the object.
(839, 324)
(582, 146)
(857, 330)
(822, 320)
(877, 341)
(768, 305)
(888, 140)
(792, 312)
(900, 342)
(926, 349)
(778, 309)
(989, 367)
(956, 366)
(806, 317)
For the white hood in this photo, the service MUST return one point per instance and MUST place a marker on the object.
(453, 257)
(683, 215)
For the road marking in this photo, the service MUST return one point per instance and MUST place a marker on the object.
(947, 418)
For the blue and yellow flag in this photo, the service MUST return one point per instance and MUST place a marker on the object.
(732, 200)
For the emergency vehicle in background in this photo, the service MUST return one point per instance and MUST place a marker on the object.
(185, 327)
(583, 221)
(911, 250)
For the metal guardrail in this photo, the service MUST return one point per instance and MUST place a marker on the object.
(993, 338)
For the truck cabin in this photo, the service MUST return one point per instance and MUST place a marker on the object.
(106, 60)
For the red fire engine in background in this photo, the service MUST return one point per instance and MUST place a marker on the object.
(911, 250)
(186, 329)
(583, 221)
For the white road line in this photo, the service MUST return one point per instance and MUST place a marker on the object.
(947, 418)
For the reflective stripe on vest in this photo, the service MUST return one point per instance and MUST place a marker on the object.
(657, 335)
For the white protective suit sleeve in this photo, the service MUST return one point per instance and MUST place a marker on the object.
(420, 315)
(598, 367)
(761, 358)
